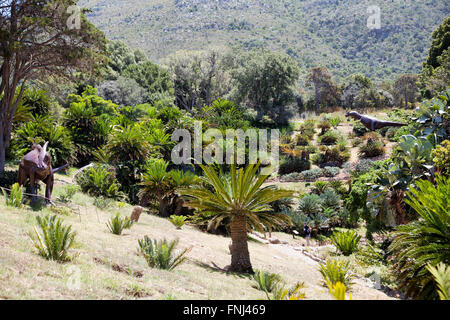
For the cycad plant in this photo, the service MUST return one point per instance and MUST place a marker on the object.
(346, 241)
(425, 241)
(116, 224)
(240, 198)
(441, 275)
(266, 281)
(335, 271)
(159, 183)
(161, 254)
(178, 221)
(15, 198)
(280, 292)
(54, 239)
(338, 291)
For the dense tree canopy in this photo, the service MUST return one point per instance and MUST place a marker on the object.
(35, 40)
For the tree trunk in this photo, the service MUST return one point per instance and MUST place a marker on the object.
(406, 100)
(317, 97)
(2, 155)
(240, 257)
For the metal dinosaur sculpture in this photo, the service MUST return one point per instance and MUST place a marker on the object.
(36, 165)
(372, 123)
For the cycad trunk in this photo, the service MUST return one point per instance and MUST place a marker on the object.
(240, 257)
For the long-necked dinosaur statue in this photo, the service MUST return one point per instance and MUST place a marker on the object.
(36, 165)
(372, 123)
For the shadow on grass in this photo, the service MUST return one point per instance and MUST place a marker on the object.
(215, 268)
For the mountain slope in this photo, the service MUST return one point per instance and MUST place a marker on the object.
(332, 33)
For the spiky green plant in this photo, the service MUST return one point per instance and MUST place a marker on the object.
(178, 221)
(441, 275)
(346, 241)
(424, 241)
(54, 239)
(240, 198)
(280, 292)
(161, 254)
(338, 291)
(16, 196)
(68, 193)
(335, 271)
(266, 281)
(116, 224)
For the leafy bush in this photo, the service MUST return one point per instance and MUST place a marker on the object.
(68, 192)
(102, 202)
(301, 140)
(324, 126)
(359, 129)
(346, 241)
(319, 187)
(116, 224)
(178, 221)
(293, 164)
(312, 174)
(310, 204)
(332, 156)
(441, 158)
(335, 122)
(99, 181)
(38, 130)
(361, 167)
(334, 272)
(329, 138)
(16, 196)
(160, 254)
(424, 241)
(330, 199)
(331, 171)
(54, 239)
(291, 177)
(282, 293)
(372, 148)
(441, 275)
(338, 291)
(266, 281)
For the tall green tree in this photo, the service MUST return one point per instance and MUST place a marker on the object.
(199, 77)
(240, 198)
(405, 88)
(37, 39)
(264, 80)
(153, 78)
(326, 92)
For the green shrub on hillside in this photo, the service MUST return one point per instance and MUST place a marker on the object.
(346, 241)
(99, 181)
(116, 224)
(329, 138)
(161, 254)
(335, 271)
(15, 197)
(266, 281)
(53, 239)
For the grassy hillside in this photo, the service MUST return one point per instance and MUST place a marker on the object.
(108, 267)
(332, 33)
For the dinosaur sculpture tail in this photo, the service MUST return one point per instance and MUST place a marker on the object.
(60, 168)
(394, 124)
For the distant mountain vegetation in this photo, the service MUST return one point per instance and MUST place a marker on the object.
(330, 33)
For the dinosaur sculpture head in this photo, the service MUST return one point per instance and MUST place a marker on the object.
(43, 157)
(353, 114)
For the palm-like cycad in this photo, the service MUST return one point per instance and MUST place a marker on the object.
(240, 198)
(425, 241)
